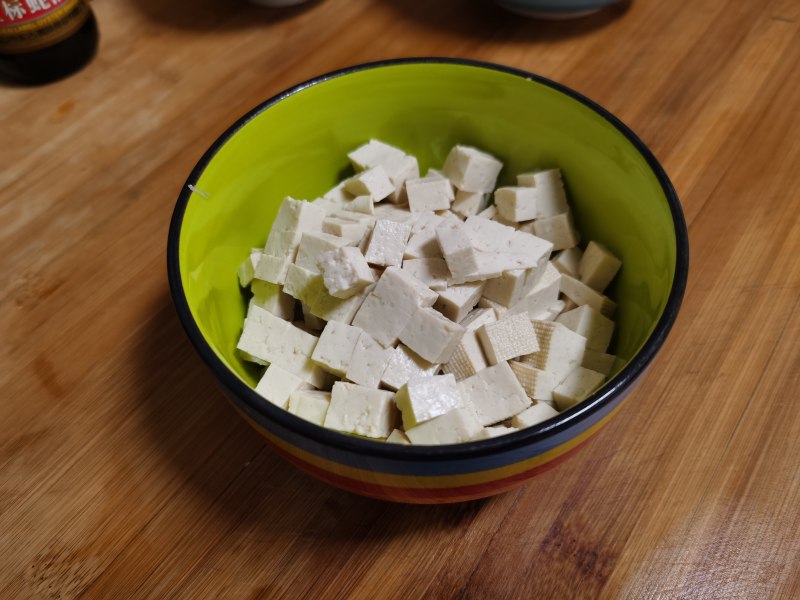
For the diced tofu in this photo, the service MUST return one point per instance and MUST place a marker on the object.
(271, 297)
(374, 153)
(387, 244)
(312, 323)
(273, 268)
(362, 204)
(247, 269)
(401, 214)
(345, 272)
(598, 266)
(525, 251)
(537, 384)
(354, 231)
(543, 295)
(310, 405)
(516, 204)
(283, 244)
(559, 229)
(457, 250)
(495, 394)
(551, 312)
(433, 272)
(472, 170)
(488, 236)
(373, 182)
(303, 285)
(368, 361)
(498, 309)
(582, 294)
(598, 361)
(405, 365)
(277, 384)
(298, 216)
(423, 242)
(469, 357)
(551, 199)
(589, 323)
(560, 349)
(457, 300)
(488, 433)
(398, 437)
(329, 308)
(467, 204)
(431, 335)
(335, 347)
(513, 286)
(538, 413)
(567, 261)
(457, 426)
(396, 282)
(400, 172)
(337, 194)
(488, 213)
(578, 386)
(429, 194)
(423, 398)
(315, 244)
(508, 338)
(361, 410)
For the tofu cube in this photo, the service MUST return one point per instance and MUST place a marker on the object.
(273, 268)
(431, 335)
(374, 153)
(589, 323)
(516, 204)
(456, 301)
(353, 231)
(457, 426)
(387, 244)
(559, 229)
(373, 182)
(560, 349)
(361, 410)
(399, 172)
(330, 308)
(404, 365)
(311, 324)
(472, 170)
(551, 199)
(467, 204)
(498, 309)
(598, 361)
(303, 285)
(582, 294)
(488, 433)
(311, 405)
(578, 386)
(469, 357)
(336, 196)
(457, 250)
(368, 361)
(508, 338)
(598, 266)
(315, 244)
(543, 295)
(433, 272)
(398, 437)
(361, 204)
(429, 194)
(247, 269)
(423, 242)
(568, 261)
(513, 286)
(278, 384)
(494, 394)
(538, 413)
(423, 398)
(345, 271)
(271, 297)
(399, 283)
(335, 347)
(537, 384)
(298, 216)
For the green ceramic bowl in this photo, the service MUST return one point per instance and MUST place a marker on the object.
(296, 144)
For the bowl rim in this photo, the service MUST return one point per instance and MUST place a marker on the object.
(243, 394)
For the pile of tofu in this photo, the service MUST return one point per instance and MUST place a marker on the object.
(414, 310)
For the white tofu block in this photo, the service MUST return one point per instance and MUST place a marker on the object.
(401, 284)
(580, 294)
(311, 324)
(337, 196)
(538, 413)
(543, 295)
(467, 204)
(477, 318)
(508, 338)
(598, 266)
(469, 357)
(372, 182)
(277, 384)
(560, 230)
(310, 405)
(589, 323)
(598, 361)
(560, 349)
(271, 297)
(303, 285)
(345, 272)
(551, 199)
(329, 308)
(472, 170)
(405, 365)
(525, 251)
(513, 286)
(398, 437)
(498, 309)
(362, 204)
(433, 272)
(374, 153)
(387, 244)
(423, 242)
(494, 394)
(298, 215)
(429, 194)
(335, 347)
(399, 213)
(315, 244)
(283, 243)
(516, 204)
(487, 235)
(345, 228)
(273, 268)
(551, 312)
(456, 301)
(368, 362)
(457, 426)
(361, 410)
(247, 269)
(578, 386)
(457, 250)
(424, 398)
(488, 213)
(537, 384)
(488, 433)
(431, 335)
(568, 261)
(354, 216)
(399, 172)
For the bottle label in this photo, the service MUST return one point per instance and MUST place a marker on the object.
(28, 25)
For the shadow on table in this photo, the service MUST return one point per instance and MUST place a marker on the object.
(240, 479)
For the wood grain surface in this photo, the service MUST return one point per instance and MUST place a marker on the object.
(124, 473)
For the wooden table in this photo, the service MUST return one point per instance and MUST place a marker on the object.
(124, 473)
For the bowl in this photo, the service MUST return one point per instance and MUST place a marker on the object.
(555, 9)
(296, 143)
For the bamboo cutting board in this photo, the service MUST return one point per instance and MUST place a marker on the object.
(123, 472)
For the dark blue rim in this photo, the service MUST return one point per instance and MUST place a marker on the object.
(246, 396)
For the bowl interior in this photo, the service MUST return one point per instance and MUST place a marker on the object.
(297, 146)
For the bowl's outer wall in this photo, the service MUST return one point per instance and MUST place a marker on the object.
(297, 144)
